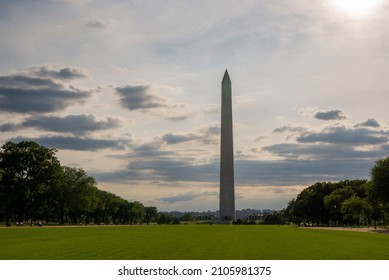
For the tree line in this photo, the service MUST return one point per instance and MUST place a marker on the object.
(350, 202)
(35, 188)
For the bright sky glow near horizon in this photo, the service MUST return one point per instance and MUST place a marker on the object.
(130, 92)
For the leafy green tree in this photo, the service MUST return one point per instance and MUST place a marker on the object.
(274, 218)
(28, 170)
(353, 208)
(137, 212)
(76, 194)
(33, 185)
(165, 218)
(309, 205)
(380, 180)
(62, 192)
(111, 206)
(315, 205)
(333, 202)
(3, 198)
(124, 212)
(376, 209)
(151, 213)
(288, 212)
(114, 208)
(187, 217)
(162, 219)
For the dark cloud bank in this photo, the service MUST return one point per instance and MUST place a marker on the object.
(40, 90)
(332, 154)
(75, 124)
(343, 135)
(76, 143)
(37, 91)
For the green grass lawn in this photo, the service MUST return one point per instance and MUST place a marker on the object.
(189, 242)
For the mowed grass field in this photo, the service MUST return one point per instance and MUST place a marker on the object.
(185, 242)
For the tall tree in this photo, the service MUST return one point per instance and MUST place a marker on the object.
(151, 213)
(137, 212)
(28, 169)
(3, 198)
(309, 205)
(187, 217)
(353, 208)
(109, 206)
(380, 180)
(81, 189)
(333, 202)
(377, 211)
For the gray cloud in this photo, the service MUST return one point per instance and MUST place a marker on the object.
(330, 115)
(150, 162)
(7, 127)
(171, 138)
(161, 168)
(171, 169)
(22, 81)
(320, 151)
(179, 198)
(369, 123)
(67, 73)
(96, 24)
(332, 154)
(186, 197)
(247, 172)
(181, 117)
(137, 97)
(25, 93)
(76, 143)
(343, 135)
(76, 124)
(153, 149)
(287, 128)
(206, 135)
(301, 164)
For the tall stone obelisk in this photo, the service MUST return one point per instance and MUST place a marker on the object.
(227, 186)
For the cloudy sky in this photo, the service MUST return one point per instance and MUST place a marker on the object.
(130, 92)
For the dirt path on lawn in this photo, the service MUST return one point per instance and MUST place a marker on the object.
(362, 229)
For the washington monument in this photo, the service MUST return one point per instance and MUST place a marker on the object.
(227, 187)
